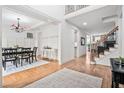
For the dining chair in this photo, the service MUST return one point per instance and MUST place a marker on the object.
(25, 55)
(10, 55)
(35, 53)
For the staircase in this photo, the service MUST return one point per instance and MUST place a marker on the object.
(105, 59)
(108, 49)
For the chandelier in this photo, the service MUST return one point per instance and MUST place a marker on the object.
(18, 27)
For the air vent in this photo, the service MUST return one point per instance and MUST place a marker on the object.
(109, 18)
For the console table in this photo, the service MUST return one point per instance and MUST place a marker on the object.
(50, 53)
(117, 73)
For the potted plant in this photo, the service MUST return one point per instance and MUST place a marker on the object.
(121, 60)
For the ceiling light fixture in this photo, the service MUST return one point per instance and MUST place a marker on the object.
(85, 23)
(18, 27)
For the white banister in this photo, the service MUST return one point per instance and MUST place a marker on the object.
(72, 8)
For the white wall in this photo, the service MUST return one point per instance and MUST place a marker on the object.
(48, 36)
(0, 46)
(11, 38)
(55, 11)
(67, 42)
(82, 49)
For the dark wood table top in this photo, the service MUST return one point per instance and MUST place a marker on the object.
(116, 67)
(18, 52)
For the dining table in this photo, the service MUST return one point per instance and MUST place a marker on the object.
(19, 52)
(117, 70)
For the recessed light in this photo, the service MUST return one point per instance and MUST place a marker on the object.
(85, 23)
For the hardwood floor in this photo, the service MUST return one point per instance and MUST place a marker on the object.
(23, 78)
(95, 70)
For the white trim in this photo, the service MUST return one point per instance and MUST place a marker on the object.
(0, 46)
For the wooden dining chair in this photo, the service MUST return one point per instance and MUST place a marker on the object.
(10, 55)
(25, 55)
(35, 53)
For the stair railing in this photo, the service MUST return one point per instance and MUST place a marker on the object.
(104, 38)
(107, 35)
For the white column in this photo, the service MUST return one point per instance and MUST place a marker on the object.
(0, 46)
(59, 43)
(122, 33)
(119, 35)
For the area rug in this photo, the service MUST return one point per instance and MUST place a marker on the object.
(67, 78)
(13, 69)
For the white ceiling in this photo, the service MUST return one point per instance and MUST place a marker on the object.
(10, 17)
(30, 18)
(94, 19)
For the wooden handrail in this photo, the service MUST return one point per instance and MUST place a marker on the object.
(106, 36)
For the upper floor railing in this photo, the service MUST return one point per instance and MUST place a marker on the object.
(72, 8)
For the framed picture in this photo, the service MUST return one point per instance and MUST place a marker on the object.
(30, 35)
(82, 41)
